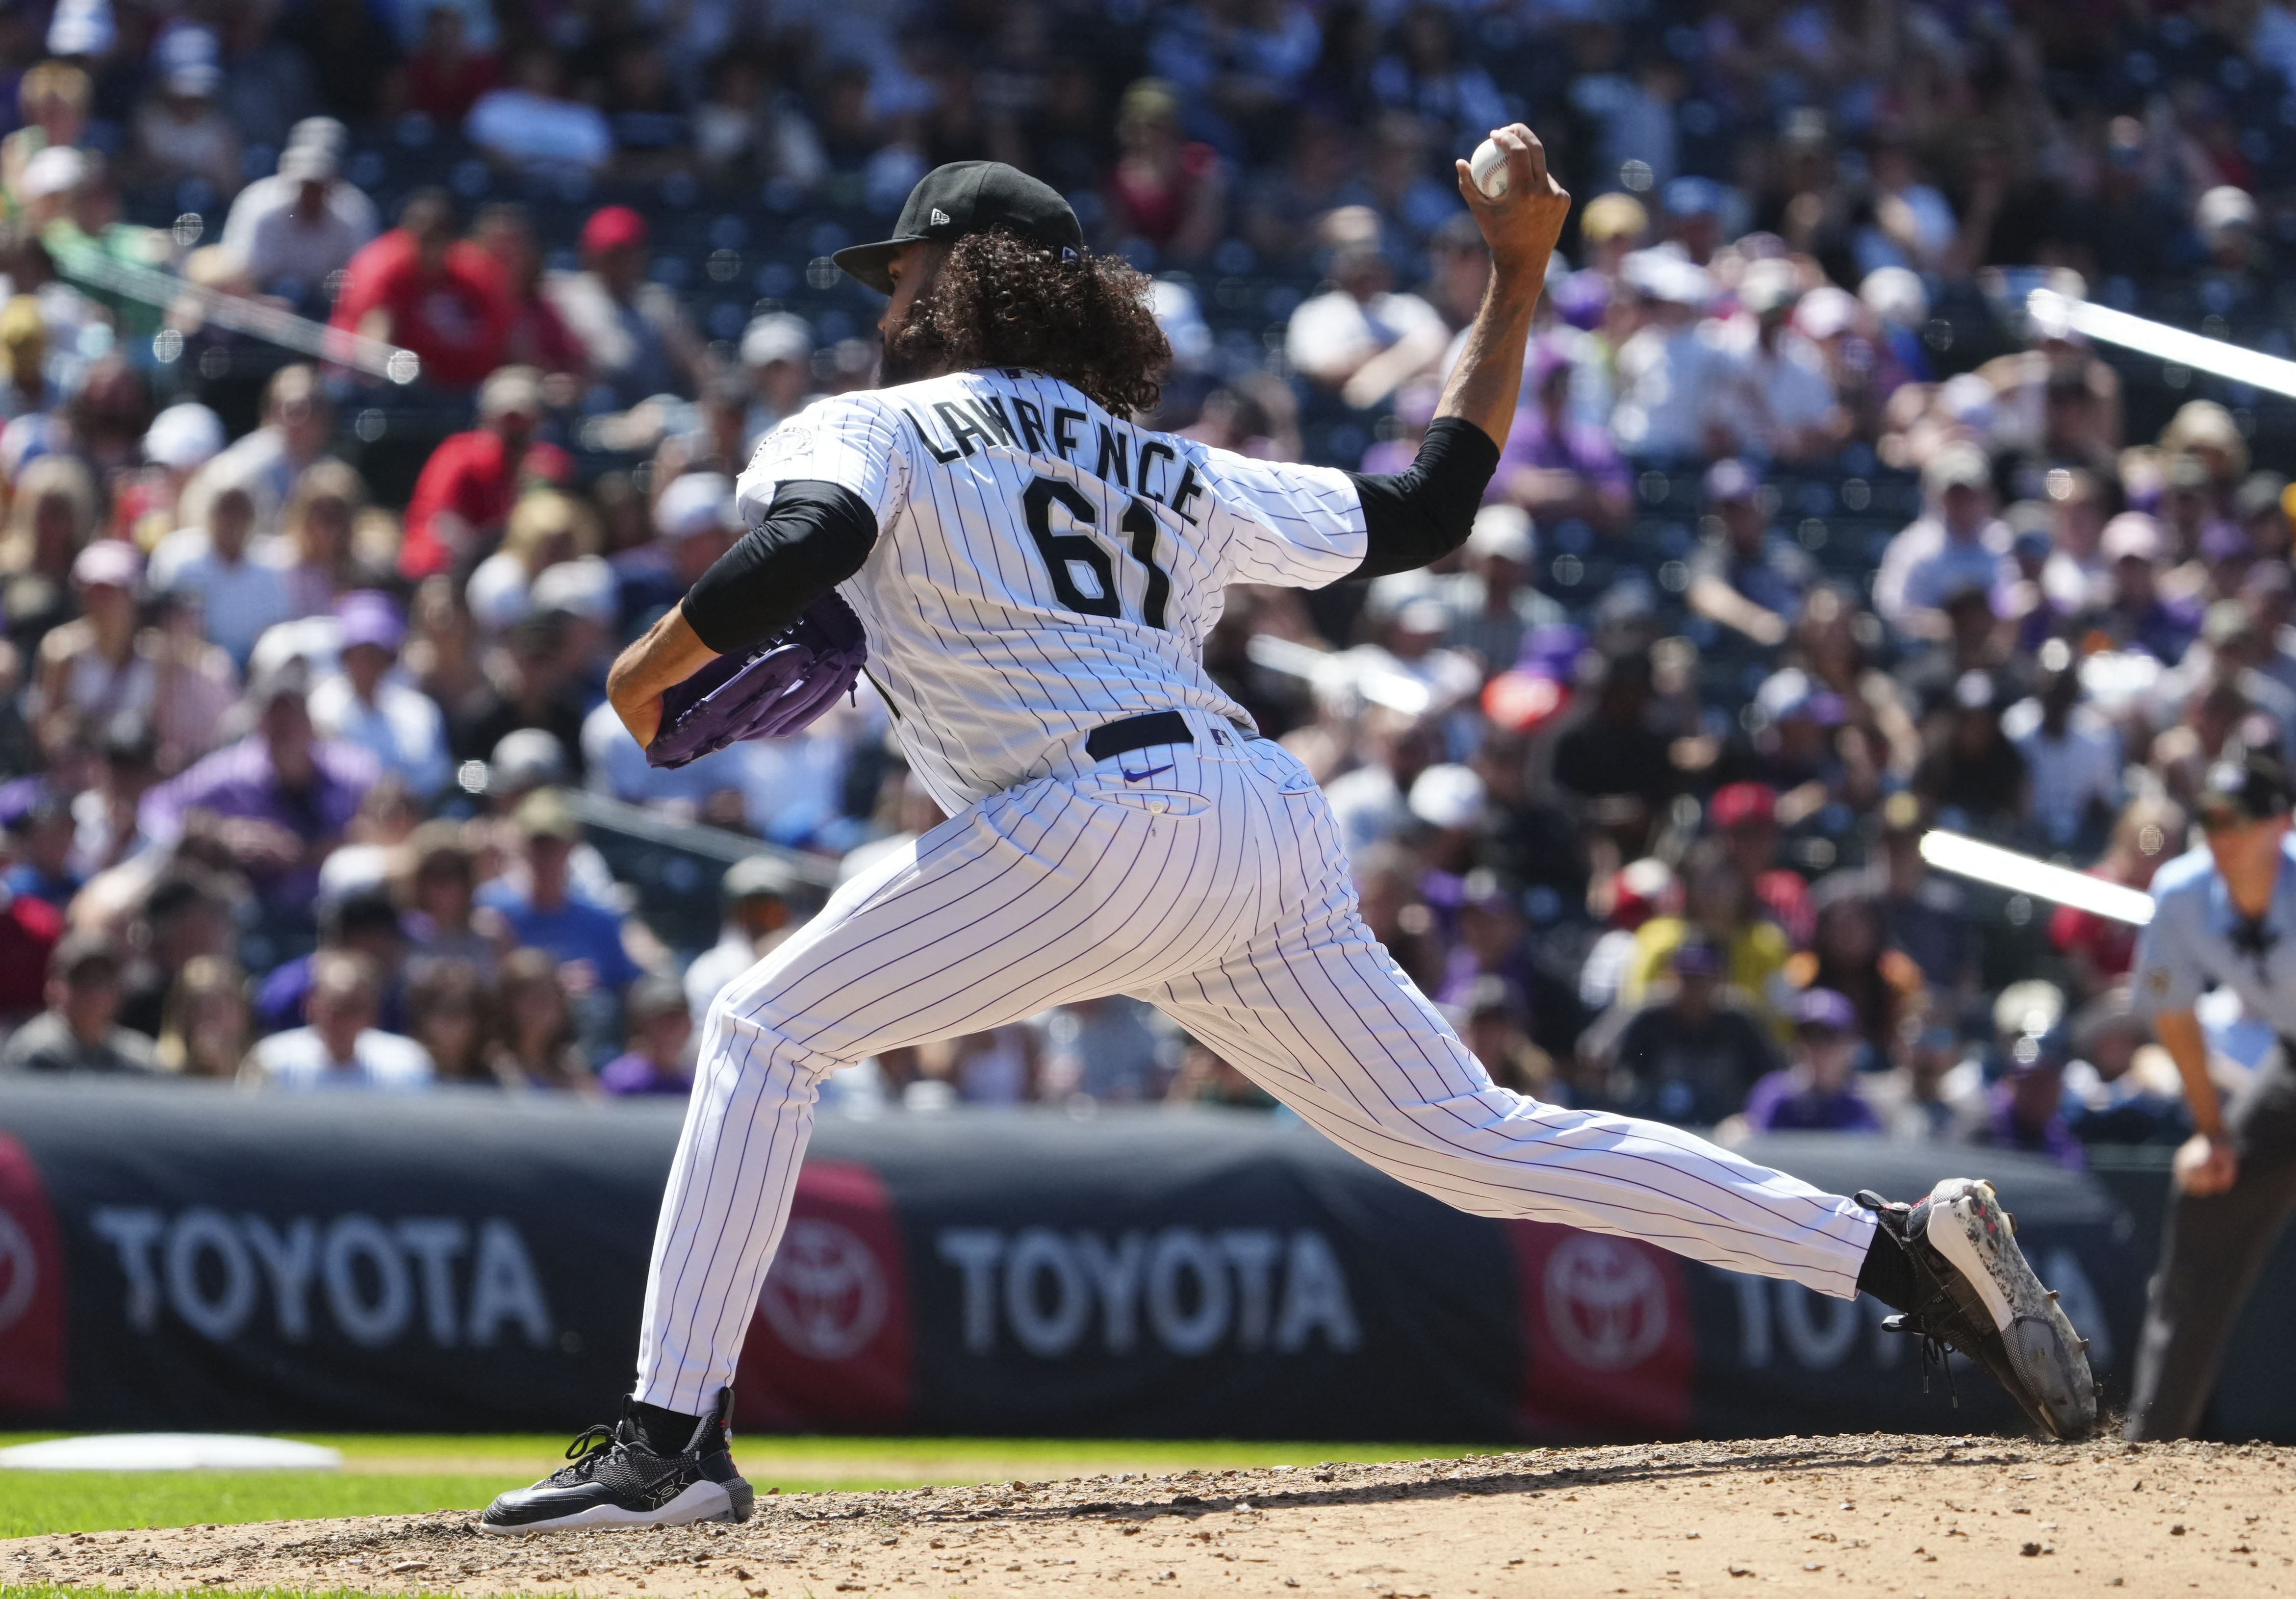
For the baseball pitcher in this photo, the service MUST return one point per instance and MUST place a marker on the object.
(1034, 575)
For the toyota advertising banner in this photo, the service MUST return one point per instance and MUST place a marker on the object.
(174, 1256)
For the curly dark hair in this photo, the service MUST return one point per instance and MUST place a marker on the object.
(1002, 302)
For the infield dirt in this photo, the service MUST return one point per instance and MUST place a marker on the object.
(1929, 1518)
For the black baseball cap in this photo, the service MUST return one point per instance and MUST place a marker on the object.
(969, 197)
(2255, 789)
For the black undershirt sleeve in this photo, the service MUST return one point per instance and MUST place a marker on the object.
(815, 536)
(1425, 511)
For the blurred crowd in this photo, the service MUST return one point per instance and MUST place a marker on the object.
(1809, 536)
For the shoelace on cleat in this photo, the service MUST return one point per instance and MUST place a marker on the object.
(1918, 1323)
(1936, 1349)
(588, 1452)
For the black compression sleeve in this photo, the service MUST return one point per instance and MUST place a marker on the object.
(1423, 513)
(816, 536)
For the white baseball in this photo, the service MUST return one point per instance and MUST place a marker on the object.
(1487, 167)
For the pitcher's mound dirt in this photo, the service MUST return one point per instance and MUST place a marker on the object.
(1928, 1518)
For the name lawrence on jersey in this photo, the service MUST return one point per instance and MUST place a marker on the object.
(1041, 566)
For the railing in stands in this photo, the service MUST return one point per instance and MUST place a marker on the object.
(272, 324)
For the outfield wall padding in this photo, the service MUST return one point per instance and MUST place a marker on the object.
(172, 1257)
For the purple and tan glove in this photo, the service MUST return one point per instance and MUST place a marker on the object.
(778, 688)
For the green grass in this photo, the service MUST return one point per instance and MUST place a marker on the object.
(36, 1502)
(401, 1474)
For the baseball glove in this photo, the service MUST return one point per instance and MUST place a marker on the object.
(778, 688)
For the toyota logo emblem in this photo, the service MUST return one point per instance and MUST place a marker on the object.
(19, 1272)
(1606, 1303)
(826, 1295)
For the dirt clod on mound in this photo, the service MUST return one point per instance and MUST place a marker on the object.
(1916, 1516)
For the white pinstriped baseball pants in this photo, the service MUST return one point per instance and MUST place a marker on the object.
(1218, 890)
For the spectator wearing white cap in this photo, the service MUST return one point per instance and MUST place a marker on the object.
(777, 353)
(82, 30)
(2239, 274)
(46, 186)
(367, 703)
(348, 201)
(695, 523)
(292, 245)
(240, 595)
(180, 131)
(2224, 219)
(1956, 544)
(1782, 404)
(1898, 303)
(181, 440)
(78, 226)
(1446, 797)
(1673, 378)
(584, 591)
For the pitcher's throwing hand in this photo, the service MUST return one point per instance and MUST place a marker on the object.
(1522, 224)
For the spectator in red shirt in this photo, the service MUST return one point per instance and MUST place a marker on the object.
(472, 479)
(538, 335)
(1745, 816)
(2150, 834)
(445, 77)
(30, 929)
(438, 296)
(1164, 188)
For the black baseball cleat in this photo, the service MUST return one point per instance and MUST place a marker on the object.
(617, 1480)
(1979, 1296)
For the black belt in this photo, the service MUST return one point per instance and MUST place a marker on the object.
(1137, 733)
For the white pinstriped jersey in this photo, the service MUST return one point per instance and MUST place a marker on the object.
(1041, 567)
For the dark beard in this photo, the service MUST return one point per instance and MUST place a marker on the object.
(913, 351)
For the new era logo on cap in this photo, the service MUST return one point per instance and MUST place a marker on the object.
(939, 217)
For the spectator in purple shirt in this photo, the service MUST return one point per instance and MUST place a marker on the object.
(1814, 1094)
(2025, 1110)
(1555, 467)
(2139, 615)
(279, 800)
(658, 1061)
